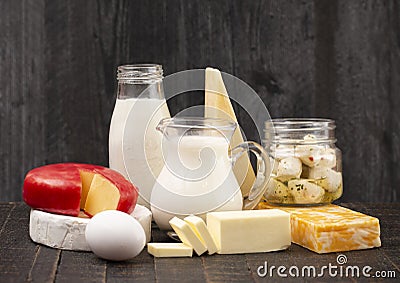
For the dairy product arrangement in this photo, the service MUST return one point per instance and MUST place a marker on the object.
(84, 207)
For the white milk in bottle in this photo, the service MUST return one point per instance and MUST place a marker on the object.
(134, 142)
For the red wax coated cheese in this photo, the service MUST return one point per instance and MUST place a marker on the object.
(58, 188)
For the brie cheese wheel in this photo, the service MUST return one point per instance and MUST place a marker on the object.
(68, 232)
(144, 216)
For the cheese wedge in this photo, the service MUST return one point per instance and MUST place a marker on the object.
(169, 250)
(249, 231)
(218, 105)
(187, 235)
(199, 227)
(65, 188)
(331, 228)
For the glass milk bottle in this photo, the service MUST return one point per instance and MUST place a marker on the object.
(134, 142)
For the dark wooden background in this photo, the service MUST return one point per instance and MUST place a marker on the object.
(335, 59)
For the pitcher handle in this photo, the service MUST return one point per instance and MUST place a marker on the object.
(263, 171)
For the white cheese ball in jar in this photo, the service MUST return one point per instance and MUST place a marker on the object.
(307, 162)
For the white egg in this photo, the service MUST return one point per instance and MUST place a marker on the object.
(115, 235)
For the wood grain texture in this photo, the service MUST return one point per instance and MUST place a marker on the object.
(336, 59)
(21, 260)
(44, 265)
(22, 99)
(366, 98)
(84, 268)
(139, 269)
(17, 250)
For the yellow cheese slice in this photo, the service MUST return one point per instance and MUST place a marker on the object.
(169, 250)
(218, 105)
(331, 228)
(199, 227)
(187, 235)
(103, 195)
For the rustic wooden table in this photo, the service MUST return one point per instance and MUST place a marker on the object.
(22, 260)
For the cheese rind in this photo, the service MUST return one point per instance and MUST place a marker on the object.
(199, 227)
(64, 188)
(249, 231)
(68, 232)
(58, 231)
(331, 228)
(144, 216)
(187, 235)
(169, 250)
(54, 188)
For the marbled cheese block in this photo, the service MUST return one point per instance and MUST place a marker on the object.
(331, 228)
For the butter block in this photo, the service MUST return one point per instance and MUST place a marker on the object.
(169, 250)
(187, 235)
(199, 227)
(331, 228)
(249, 231)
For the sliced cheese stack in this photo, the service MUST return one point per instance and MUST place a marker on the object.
(193, 233)
(68, 232)
(200, 229)
(187, 235)
(230, 232)
(331, 228)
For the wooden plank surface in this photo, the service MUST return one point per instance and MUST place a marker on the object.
(21, 260)
(337, 59)
(17, 250)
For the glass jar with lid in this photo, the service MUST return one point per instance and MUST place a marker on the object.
(307, 165)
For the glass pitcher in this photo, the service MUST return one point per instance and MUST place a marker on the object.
(197, 176)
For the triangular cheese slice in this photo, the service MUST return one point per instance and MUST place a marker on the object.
(218, 105)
